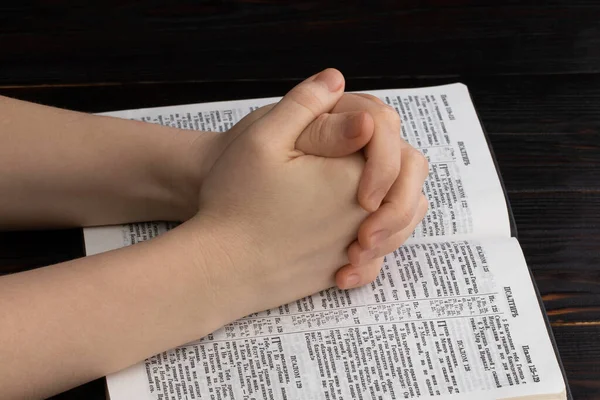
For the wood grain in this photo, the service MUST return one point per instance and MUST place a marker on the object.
(221, 40)
(533, 69)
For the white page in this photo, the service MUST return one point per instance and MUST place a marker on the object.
(463, 189)
(439, 121)
(441, 316)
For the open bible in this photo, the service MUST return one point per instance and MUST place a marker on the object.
(454, 313)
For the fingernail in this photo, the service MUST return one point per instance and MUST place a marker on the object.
(379, 236)
(332, 78)
(376, 198)
(352, 280)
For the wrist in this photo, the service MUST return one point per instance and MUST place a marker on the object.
(186, 162)
(214, 265)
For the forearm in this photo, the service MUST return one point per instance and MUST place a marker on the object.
(70, 323)
(62, 168)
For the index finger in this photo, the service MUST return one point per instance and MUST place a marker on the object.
(383, 151)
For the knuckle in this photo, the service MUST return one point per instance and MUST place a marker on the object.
(373, 98)
(405, 216)
(390, 113)
(390, 116)
(414, 155)
(402, 216)
(388, 170)
(318, 130)
(417, 159)
(306, 98)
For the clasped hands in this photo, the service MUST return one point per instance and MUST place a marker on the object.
(311, 192)
(297, 197)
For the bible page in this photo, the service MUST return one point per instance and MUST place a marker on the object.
(464, 192)
(443, 320)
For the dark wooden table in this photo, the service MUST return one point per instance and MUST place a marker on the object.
(533, 70)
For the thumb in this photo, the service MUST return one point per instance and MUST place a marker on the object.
(336, 135)
(299, 107)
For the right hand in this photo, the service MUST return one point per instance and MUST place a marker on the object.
(282, 220)
(356, 121)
